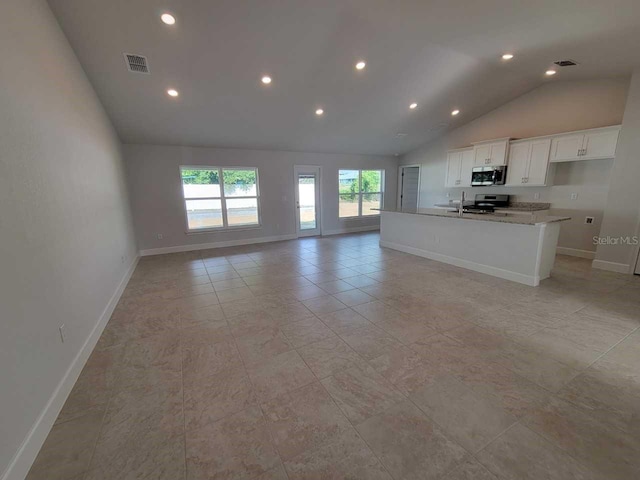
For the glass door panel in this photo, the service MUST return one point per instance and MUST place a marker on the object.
(307, 190)
(307, 201)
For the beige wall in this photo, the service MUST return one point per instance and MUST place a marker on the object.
(65, 224)
(623, 200)
(158, 206)
(552, 108)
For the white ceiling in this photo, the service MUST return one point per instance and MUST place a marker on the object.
(443, 54)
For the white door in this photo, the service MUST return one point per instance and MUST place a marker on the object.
(410, 180)
(538, 162)
(307, 191)
(518, 162)
(566, 147)
(600, 144)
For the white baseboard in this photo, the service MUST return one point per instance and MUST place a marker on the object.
(367, 228)
(530, 280)
(575, 252)
(206, 246)
(28, 451)
(611, 266)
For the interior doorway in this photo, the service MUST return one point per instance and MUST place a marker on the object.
(409, 188)
(307, 193)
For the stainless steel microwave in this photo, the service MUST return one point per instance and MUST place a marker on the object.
(486, 176)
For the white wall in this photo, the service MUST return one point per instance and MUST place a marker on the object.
(64, 224)
(555, 107)
(623, 201)
(157, 202)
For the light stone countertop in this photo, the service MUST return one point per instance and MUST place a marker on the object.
(513, 206)
(486, 217)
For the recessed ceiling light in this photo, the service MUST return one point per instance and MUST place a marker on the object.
(360, 65)
(172, 92)
(455, 112)
(507, 56)
(319, 111)
(266, 80)
(550, 72)
(168, 18)
(413, 105)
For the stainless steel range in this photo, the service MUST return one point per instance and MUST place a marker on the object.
(487, 203)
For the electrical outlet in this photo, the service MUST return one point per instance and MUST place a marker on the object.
(536, 196)
(160, 236)
(574, 196)
(448, 194)
(62, 333)
(589, 220)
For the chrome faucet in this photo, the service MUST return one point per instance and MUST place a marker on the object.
(461, 206)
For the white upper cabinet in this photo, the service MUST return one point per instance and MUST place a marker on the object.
(538, 162)
(529, 163)
(600, 144)
(566, 147)
(466, 166)
(490, 153)
(518, 160)
(453, 169)
(585, 145)
(459, 165)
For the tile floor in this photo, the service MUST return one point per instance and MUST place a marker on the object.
(333, 358)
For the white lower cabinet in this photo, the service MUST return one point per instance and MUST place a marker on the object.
(459, 165)
(528, 163)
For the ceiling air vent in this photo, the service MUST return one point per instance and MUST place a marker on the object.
(136, 63)
(566, 63)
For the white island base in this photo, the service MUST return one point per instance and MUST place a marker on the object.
(523, 253)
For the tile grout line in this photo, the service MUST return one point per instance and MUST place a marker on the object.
(259, 404)
(344, 415)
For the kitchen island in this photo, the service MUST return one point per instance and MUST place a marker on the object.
(513, 247)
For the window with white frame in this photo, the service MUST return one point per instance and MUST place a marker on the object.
(220, 198)
(360, 192)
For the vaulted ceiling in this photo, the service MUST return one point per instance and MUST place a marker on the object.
(441, 54)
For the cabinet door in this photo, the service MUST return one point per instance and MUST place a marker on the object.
(600, 144)
(538, 162)
(482, 153)
(518, 160)
(466, 166)
(453, 169)
(567, 147)
(498, 154)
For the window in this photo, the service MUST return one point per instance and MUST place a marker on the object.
(360, 192)
(220, 198)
